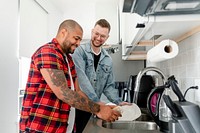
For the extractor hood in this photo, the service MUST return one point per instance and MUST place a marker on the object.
(161, 7)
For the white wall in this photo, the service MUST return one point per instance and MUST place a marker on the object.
(55, 17)
(87, 13)
(39, 21)
(9, 65)
(123, 69)
(33, 27)
(9, 69)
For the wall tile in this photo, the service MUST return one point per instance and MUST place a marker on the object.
(185, 66)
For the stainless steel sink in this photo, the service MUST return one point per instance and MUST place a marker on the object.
(145, 117)
(144, 122)
(139, 125)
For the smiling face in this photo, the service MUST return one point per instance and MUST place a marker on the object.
(99, 35)
(72, 41)
(69, 36)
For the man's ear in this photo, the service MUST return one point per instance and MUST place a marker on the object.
(64, 32)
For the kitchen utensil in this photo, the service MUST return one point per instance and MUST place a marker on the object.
(126, 95)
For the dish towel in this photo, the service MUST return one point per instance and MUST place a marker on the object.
(72, 109)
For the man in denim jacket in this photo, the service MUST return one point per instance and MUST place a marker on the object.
(95, 71)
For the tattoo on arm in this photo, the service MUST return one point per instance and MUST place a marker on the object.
(71, 97)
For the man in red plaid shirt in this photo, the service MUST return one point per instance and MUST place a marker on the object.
(48, 95)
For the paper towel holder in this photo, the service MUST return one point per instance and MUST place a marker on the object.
(165, 50)
(154, 38)
(168, 49)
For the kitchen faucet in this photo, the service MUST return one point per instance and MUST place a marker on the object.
(138, 79)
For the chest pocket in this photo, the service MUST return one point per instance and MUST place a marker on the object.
(105, 68)
(104, 72)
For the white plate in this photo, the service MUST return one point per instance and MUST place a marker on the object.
(129, 112)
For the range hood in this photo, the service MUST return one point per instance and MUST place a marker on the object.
(161, 7)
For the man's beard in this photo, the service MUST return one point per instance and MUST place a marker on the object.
(66, 49)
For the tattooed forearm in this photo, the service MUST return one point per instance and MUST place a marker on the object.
(80, 102)
(69, 96)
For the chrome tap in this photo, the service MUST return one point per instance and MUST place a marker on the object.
(138, 79)
(126, 91)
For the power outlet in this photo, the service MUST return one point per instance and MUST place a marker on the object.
(197, 92)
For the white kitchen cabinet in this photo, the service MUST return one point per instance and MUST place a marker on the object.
(128, 29)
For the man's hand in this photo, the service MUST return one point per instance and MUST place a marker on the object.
(108, 114)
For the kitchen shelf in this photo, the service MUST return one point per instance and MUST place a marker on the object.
(141, 55)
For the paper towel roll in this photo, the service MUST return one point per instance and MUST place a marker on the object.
(165, 50)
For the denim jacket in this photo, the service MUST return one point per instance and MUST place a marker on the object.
(94, 83)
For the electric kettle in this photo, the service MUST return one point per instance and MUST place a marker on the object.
(157, 107)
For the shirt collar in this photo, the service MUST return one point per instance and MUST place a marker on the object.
(94, 52)
(89, 49)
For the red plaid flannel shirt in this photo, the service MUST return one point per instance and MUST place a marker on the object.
(41, 110)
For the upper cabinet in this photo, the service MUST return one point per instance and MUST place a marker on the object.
(128, 29)
(159, 20)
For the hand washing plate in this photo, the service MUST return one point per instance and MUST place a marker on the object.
(129, 112)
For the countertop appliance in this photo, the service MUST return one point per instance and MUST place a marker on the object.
(157, 107)
(185, 115)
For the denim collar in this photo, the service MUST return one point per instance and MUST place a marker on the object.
(89, 50)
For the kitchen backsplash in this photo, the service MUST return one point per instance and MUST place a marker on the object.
(185, 66)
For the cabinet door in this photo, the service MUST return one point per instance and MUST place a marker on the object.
(128, 29)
